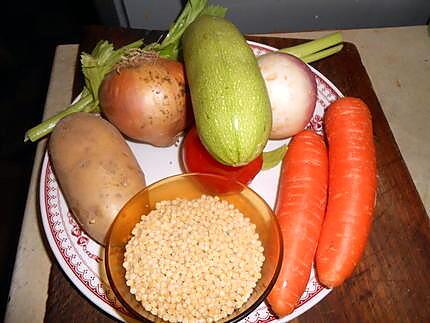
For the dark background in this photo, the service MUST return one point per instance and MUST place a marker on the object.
(30, 31)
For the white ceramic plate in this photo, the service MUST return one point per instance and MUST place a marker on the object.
(81, 258)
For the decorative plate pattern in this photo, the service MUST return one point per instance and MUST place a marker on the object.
(81, 258)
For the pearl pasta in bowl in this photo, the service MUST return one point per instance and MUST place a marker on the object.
(212, 192)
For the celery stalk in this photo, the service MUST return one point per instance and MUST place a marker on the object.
(170, 46)
(273, 157)
(48, 125)
(94, 67)
(314, 46)
(322, 54)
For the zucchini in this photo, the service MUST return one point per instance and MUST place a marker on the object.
(229, 97)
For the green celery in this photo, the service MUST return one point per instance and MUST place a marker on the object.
(309, 49)
(48, 125)
(273, 157)
(94, 67)
(101, 61)
(322, 54)
(169, 47)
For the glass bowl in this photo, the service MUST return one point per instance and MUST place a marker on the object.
(191, 186)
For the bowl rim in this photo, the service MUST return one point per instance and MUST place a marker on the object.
(134, 314)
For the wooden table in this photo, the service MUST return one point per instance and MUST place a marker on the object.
(391, 284)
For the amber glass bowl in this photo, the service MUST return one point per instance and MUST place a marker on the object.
(191, 186)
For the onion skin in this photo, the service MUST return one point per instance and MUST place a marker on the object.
(147, 100)
(292, 91)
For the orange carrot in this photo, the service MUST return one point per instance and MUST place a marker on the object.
(352, 190)
(300, 208)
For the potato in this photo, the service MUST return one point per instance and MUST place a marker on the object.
(96, 170)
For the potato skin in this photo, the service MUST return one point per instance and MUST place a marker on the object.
(96, 170)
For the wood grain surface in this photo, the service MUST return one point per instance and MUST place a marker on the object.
(391, 283)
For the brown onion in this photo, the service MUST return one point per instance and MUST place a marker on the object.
(146, 99)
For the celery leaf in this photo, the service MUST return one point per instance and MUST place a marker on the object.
(273, 157)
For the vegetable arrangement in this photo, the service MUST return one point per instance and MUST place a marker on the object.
(203, 80)
(104, 58)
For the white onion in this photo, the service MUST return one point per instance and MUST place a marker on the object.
(292, 91)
